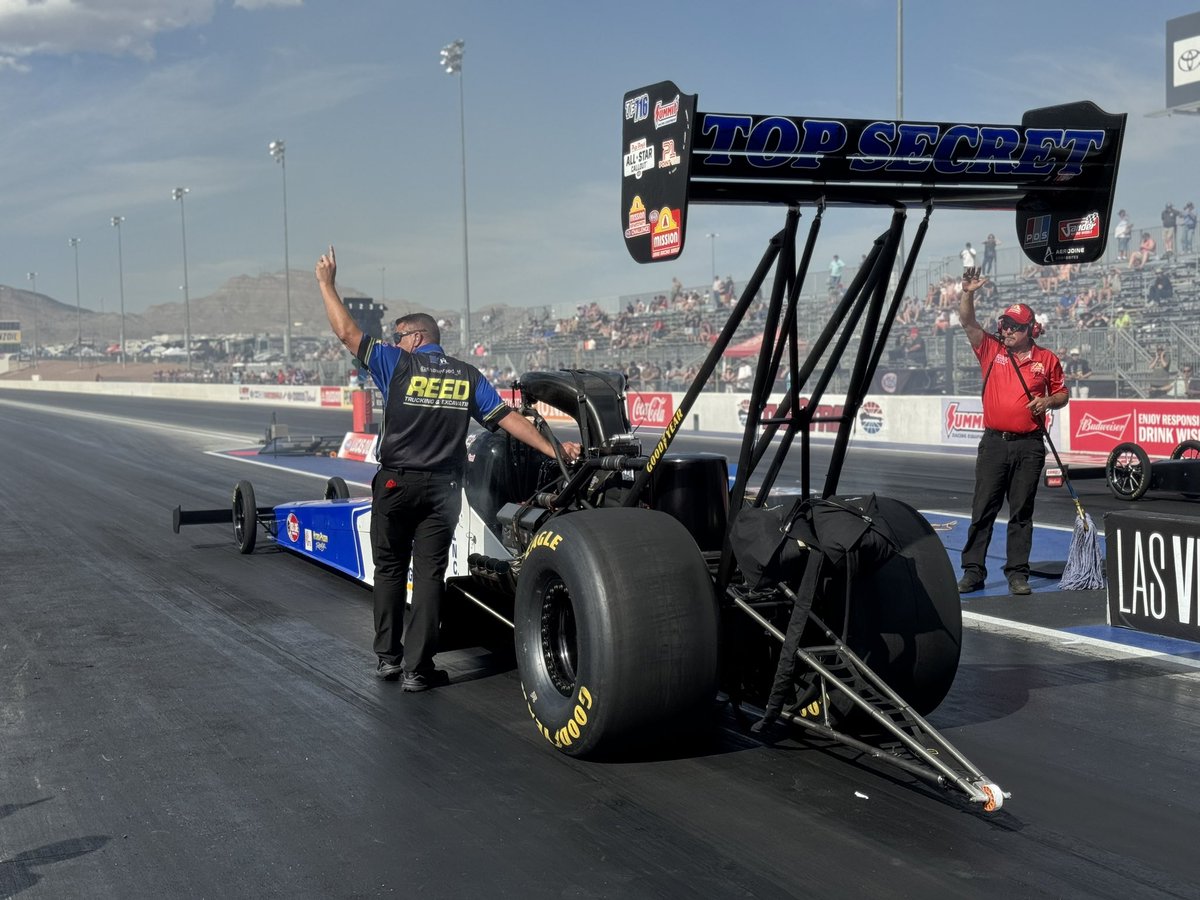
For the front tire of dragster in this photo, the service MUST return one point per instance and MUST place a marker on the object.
(1128, 471)
(245, 517)
(616, 630)
(336, 489)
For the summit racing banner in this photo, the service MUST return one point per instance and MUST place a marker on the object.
(962, 422)
(1158, 425)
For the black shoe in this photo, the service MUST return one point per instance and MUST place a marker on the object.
(968, 585)
(423, 681)
(388, 671)
(1019, 584)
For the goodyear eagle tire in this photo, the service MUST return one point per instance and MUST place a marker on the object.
(1186, 450)
(615, 629)
(245, 517)
(1128, 471)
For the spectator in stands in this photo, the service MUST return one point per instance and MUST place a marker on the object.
(1047, 279)
(915, 354)
(1193, 384)
(1178, 388)
(1170, 218)
(1161, 290)
(718, 289)
(1076, 372)
(968, 256)
(835, 273)
(989, 254)
(1188, 221)
(1144, 253)
(1123, 232)
(1110, 286)
(1161, 359)
(1123, 319)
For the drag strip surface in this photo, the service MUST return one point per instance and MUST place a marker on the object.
(181, 720)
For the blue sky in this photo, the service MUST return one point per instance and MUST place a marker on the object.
(109, 104)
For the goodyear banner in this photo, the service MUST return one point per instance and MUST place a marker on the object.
(1153, 567)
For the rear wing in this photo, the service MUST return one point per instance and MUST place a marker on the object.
(1057, 169)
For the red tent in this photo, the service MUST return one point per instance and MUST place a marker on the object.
(748, 347)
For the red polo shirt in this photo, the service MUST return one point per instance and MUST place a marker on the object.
(1004, 400)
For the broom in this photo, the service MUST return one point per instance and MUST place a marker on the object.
(1084, 569)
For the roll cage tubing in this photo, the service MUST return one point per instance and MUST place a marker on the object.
(1057, 170)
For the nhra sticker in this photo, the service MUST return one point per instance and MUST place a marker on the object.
(666, 113)
(870, 417)
(637, 219)
(637, 108)
(1037, 231)
(669, 156)
(639, 159)
(1085, 229)
(665, 239)
(293, 528)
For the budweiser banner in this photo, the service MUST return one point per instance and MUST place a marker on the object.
(1157, 425)
(650, 410)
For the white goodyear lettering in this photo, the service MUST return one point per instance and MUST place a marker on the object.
(426, 391)
(665, 440)
(569, 733)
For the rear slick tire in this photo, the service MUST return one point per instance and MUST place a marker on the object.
(616, 631)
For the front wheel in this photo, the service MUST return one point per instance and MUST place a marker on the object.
(616, 630)
(336, 489)
(245, 517)
(1128, 471)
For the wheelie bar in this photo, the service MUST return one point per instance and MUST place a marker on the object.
(840, 667)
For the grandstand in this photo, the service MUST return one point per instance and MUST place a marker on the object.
(1118, 317)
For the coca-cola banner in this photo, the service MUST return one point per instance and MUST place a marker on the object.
(1158, 425)
(650, 410)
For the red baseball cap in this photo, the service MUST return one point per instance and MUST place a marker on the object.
(1019, 313)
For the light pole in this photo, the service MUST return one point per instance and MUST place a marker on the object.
(74, 242)
(712, 245)
(178, 194)
(452, 57)
(116, 223)
(276, 150)
(37, 302)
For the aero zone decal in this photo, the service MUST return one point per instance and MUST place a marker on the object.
(571, 732)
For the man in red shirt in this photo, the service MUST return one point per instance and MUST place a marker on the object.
(1010, 457)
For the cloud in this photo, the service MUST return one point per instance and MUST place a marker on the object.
(113, 27)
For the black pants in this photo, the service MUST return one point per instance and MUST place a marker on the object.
(1003, 468)
(413, 515)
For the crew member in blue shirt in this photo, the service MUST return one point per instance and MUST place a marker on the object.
(429, 399)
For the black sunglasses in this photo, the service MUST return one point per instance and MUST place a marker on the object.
(398, 336)
(1009, 325)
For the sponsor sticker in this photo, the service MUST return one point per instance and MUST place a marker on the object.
(669, 156)
(639, 159)
(637, 219)
(1037, 231)
(637, 108)
(1083, 229)
(666, 113)
(665, 240)
(293, 528)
